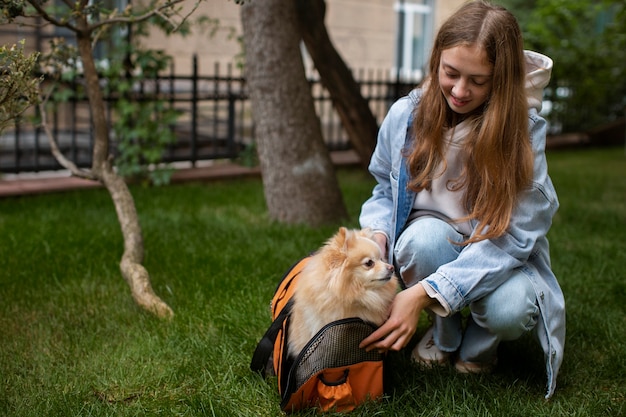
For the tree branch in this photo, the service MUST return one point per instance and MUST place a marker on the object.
(159, 11)
(110, 20)
(49, 18)
(56, 151)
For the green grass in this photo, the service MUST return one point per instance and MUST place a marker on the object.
(72, 342)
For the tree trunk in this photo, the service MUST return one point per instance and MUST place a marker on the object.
(353, 109)
(299, 178)
(130, 265)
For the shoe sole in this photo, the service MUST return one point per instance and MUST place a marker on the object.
(473, 368)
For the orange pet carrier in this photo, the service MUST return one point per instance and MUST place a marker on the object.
(331, 372)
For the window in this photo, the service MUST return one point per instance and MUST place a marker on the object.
(414, 38)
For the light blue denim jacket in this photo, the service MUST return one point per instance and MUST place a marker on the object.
(483, 266)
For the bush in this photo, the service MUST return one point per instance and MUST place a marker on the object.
(587, 41)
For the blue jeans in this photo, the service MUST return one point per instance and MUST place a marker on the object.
(504, 314)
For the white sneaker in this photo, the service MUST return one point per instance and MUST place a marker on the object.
(427, 353)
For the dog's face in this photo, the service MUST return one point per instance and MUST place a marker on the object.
(347, 277)
(357, 262)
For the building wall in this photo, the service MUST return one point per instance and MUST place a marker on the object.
(223, 46)
(363, 31)
(443, 10)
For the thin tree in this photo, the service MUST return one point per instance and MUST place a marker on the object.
(87, 21)
(299, 179)
(354, 111)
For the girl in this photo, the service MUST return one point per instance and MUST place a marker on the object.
(464, 201)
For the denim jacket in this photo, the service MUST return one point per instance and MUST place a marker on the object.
(483, 266)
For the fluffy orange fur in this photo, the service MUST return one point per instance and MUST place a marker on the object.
(347, 277)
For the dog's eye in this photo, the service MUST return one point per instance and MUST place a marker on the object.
(369, 263)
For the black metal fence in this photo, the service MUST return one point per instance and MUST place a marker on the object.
(215, 121)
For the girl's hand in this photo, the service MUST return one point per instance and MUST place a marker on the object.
(397, 331)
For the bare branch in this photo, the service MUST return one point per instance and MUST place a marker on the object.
(114, 18)
(49, 18)
(175, 25)
(159, 11)
(56, 151)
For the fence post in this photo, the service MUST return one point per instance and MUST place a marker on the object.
(172, 106)
(36, 147)
(232, 149)
(16, 144)
(74, 118)
(194, 111)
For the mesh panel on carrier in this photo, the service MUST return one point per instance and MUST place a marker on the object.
(335, 345)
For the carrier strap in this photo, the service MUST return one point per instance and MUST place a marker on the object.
(280, 308)
(265, 347)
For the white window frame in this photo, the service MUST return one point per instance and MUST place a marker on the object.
(407, 12)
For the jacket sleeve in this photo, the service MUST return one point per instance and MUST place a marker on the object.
(378, 211)
(483, 266)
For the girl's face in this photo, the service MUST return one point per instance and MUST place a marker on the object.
(465, 78)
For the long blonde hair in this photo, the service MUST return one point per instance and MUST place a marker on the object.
(498, 160)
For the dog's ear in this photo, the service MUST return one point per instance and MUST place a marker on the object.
(335, 250)
(350, 242)
(340, 237)
(340, 240)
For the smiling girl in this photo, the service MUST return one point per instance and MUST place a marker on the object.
(463, 200)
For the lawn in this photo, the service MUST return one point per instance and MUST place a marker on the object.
(72, 342)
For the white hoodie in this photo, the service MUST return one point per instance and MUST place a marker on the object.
(538, 71)
(447, 205)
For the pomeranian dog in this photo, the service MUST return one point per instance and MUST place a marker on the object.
(347, 277)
